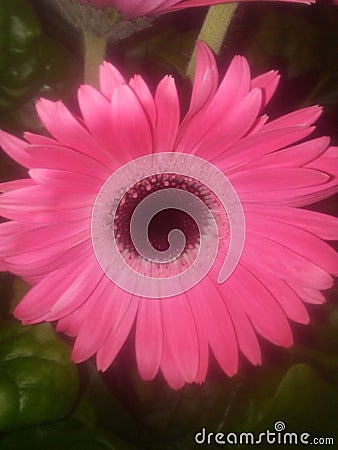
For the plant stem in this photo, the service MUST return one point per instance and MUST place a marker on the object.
(214, 28)
(94, 53)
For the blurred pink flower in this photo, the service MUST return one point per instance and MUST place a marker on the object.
(285, 262)
(136, 8)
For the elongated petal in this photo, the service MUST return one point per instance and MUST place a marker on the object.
(139, 86)
(180, 334)
(41, 298)
(63, 158)
(117, 336)
(168, 115)
(64, 127)
(95, 110)
(130, 126)
(169, 368)
(246, 336)
(278, 259)
(322, 225)
(110, 79)
(221, 334)
(64, 181)
(202, 338)
(205, 80)
(16, 184)
(300, 241)
(149, 338)
(268, 83)
(15, 148)
(262, 308)
(274, 185)
(234, 86)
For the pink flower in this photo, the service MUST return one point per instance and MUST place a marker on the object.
(137, 8)
(285, 261)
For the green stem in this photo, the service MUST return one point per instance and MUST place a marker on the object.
(213, 30)
(94, 53)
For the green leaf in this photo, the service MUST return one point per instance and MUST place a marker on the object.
(99, 407)
(38, 383)
(304, 401)
(63, 436)
(19, 37)
(32, 64)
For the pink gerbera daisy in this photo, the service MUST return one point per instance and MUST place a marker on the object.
(285, 261)
(137, 8)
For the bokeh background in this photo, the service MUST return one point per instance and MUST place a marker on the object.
(46, 402)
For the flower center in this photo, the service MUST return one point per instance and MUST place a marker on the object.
(160, 222)
(165, 220)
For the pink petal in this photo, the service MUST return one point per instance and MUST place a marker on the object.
(234, 86)
(205, 80)
(64, 127)
(246, 336)
(31, 257)
(202, 337)
(149, 338)
(17, 238)
(72, 323)
(299, 241)
(42, 297)
(95, 109)
(79, 293)
(262, 308)
(64, 181)
(39, 139)
(169, 369)
(257, 145)
(309, 295)
(9, 186)
(168, 115)
(180, 333)
(296, 156)
(63, 158)
(145, 97)
(221, 335)
(119, 333)
(232, 128)
(189, 3)
(281, 261)
(35, 269)
(42, 204)
(110, 79)
(325, 163)
(274, 184)
(289, 301)
(301, 117)
(322, 225)
(99, 321)
(15, 148)
(268, 83)
(130, 126)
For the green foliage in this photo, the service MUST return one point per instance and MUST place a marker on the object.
(31, 64)
(63, 435)
(38, 383)
(20, 33)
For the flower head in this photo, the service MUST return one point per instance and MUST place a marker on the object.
(137, 8)
(54, 241)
